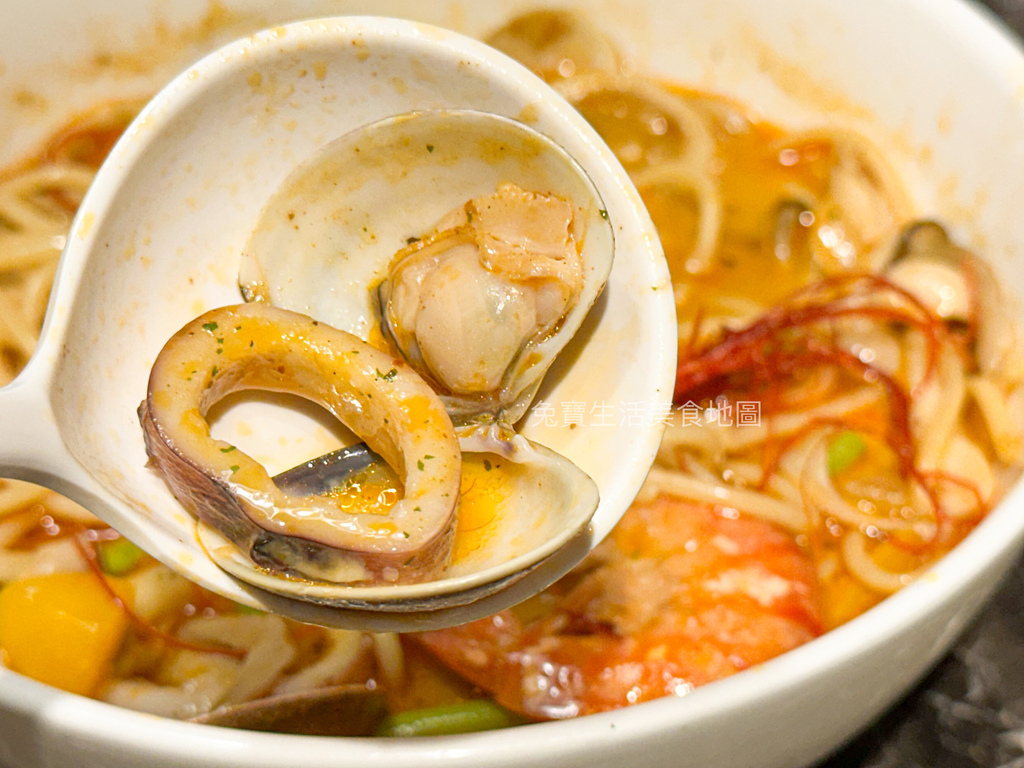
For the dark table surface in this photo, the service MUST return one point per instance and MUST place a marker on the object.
(969, 712)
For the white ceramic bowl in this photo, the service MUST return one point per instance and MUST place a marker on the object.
(932, 81)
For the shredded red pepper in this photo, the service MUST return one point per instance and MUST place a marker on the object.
(761, 358)
(88, 551)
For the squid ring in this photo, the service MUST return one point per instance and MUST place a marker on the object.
(261, 347)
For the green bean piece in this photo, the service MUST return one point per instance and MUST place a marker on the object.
(118, 556)
(844, 450)
(447, 719)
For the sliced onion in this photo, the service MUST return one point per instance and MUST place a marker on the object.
(863, 567)
(934, 413)
(718, 493)
(1001, 415)
(265, 638)
(344, 648)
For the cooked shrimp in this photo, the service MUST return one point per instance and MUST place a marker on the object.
(677, 596)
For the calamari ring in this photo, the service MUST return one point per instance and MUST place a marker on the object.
(257, 346)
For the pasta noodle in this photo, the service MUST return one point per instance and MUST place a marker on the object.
(802, 285)
(37, 203)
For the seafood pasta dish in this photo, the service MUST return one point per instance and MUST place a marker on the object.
(847, 407)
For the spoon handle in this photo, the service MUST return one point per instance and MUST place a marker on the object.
(31, 446)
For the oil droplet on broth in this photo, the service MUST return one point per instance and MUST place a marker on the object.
(483, 497)
(482, 502)
(373, 490)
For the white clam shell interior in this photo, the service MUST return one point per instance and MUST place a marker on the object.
(326, 238)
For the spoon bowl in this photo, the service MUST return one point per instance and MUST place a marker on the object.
(158, 241)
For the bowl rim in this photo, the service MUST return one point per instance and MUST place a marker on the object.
(1001, 533)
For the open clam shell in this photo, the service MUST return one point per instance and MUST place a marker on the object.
(326, 240)
(520, 503)
(323, 246)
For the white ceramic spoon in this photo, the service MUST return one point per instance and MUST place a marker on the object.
(158, 239)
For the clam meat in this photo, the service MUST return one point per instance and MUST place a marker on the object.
(471, 304)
